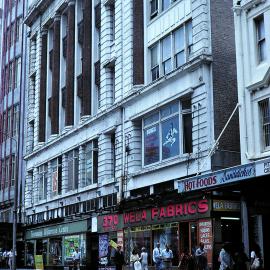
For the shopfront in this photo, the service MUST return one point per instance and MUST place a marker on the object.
(56, 244)
(181, 225)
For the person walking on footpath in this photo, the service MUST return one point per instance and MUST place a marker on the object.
(225, 258)
(157, 257)
(185, 261)
(167, 256)
(10, 259)
(119, 258)
(201, 257)
(255, 257)
(135, 260)
(76, 256)
(241, 259)
(144, 259)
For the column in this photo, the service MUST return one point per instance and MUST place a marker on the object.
(87, 59)
(43, 85)
(56, 75)
(70, 64)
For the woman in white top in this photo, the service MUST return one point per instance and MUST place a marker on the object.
(134, 258)
(144, 259)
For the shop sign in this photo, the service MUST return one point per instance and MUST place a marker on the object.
(61, 229)
(217, 178)
(155, 215)
(206, 237)
(39, 262)
(223, 205)
(262, 167)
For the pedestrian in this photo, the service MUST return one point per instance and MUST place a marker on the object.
(241, 259)
(76, 256)
(5, 255)
(225, 258)
(144, 259)
(167, 256)
(201, 257)
(119, 259)
(255, 257)
(157, 257)
(135, 260)
(10, 259)
(185, 260)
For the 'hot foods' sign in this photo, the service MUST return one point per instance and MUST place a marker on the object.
(169, 213)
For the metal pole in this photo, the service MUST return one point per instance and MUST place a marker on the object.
(15, 206)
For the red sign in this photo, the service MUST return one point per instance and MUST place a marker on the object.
(170, 213)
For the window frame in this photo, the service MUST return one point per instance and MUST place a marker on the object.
(73, 159)
(42, 182)
(159, 122)
(260, 41)
(92, 149)
(264, 147)
(157, 70)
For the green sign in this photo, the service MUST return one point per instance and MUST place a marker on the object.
(61, 229)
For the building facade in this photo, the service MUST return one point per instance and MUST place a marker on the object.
(124, 99)
(253, 71)
(11, 117)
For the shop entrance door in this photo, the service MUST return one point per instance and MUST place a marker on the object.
(188, 236)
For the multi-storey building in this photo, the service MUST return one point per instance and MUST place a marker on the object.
(126, 98)
(253, 72)
(11, 117)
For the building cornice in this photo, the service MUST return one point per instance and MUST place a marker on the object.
(36, 10)
(247, 5)
(260, 84)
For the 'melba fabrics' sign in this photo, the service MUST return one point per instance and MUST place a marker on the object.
(170, 213)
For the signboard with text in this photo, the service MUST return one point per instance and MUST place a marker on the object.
(61, 229)
(262, 167)
(226, 205)
(217, 178)
(170, 213)
(206, 237)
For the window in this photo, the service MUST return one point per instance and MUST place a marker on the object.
(13, 170)
(10, 77)
(265, 122)
(15, 128)
(110, 200)
(166, 55)
(80, 32)
(165, 4)
(261, 39)
(18, 29)
(154, 62)
(7, 172)
(113, 154)
(175, 51)
(42, 182)
(153, 8)
(17, 71)
(73, 169)
(157, 6)
(162, 133)
(90, 164)
(56, 176)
